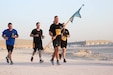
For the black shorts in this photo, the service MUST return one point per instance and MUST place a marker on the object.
(9, 48)
(63, 44)
(57, 42)
(37, 46)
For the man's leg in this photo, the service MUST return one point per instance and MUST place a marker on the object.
(10, 57)
(64, 53)
(53, 56)
(40, 55)
(57, 54)
(10, 50)
(33, 54)
(34, 48)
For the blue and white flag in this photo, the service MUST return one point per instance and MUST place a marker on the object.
(76, 14)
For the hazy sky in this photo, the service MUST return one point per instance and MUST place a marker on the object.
(96, 22)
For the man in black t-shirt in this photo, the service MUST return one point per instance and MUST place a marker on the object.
(37, 35)
(65, 34)
(55, 33)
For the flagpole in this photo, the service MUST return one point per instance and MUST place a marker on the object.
(67, 22)
(48, 44)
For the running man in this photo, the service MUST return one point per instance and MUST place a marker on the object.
(55, 33)
(65, 34)
(37, 35)
(9, 35)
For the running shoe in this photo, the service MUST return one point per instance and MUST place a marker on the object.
(65, 61)
(7, 59)
(11, 63)
(58, 63)
(41, 61)
(31, 59)
(52, 61)
(60, 55)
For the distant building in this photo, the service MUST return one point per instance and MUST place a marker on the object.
(91, 43)
(98, 42)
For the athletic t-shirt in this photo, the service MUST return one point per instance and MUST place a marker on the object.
(56, 29)
(8, 33)
(35, 32)
(65, 32)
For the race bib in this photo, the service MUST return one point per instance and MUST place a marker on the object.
(64, 38)
(58, 31)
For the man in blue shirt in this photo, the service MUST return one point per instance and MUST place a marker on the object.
(9, 35)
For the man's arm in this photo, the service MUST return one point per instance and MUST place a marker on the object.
(4, 37)
(15, 36)
(32, 35)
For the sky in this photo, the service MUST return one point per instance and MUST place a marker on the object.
(96, 22)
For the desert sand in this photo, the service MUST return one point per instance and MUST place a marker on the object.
(23, 66)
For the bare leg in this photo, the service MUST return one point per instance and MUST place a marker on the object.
(54, 54)
(40, 55)
(64, 52)
(9, 55)
(33, 55)
(57, 52)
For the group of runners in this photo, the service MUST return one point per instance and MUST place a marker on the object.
(57, 31)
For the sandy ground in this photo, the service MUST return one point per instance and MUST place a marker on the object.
(23, 66)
